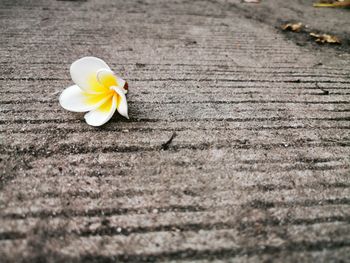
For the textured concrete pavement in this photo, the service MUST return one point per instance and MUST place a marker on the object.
(259, 164)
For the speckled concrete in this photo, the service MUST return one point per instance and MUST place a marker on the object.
(257, 170)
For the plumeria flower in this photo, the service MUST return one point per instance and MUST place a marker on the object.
(97, 90)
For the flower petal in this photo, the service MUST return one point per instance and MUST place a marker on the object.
(108, 79)
(75, 99)
(103, 113)
(122, 104)
(122, 83)
(84, 73)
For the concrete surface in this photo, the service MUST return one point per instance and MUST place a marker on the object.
(258, 168)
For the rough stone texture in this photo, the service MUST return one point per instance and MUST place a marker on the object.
(258, 170)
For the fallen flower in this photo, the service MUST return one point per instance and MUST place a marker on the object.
(98, 91)
(324, 38)
(296, 27)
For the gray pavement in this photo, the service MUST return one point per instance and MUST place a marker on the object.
(258, 169)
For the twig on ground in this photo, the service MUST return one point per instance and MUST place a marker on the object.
(165, 146)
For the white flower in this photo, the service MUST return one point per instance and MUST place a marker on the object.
(98, 90)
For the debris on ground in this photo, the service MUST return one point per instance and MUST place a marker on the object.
(332, 3)
(251, 1)
(319, 38)
(295, 27)
(165, 146)
(324, 92)
(325, 38)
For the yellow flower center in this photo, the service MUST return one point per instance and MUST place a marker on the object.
(102, 84)
(106, 107)
(101, 90)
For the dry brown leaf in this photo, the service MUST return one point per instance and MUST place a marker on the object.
(325, 38)
(251, 1)
(332, 3)
(296, 27)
